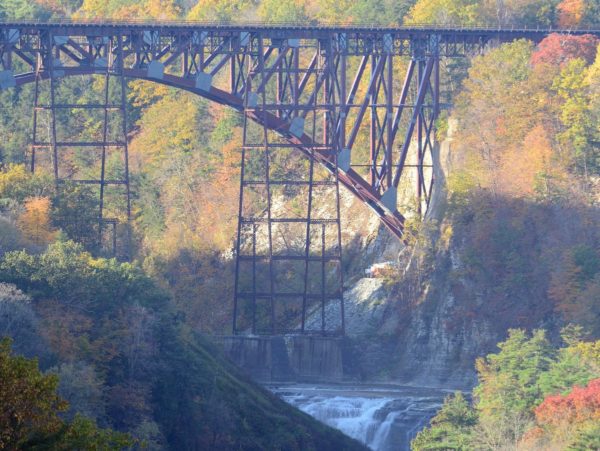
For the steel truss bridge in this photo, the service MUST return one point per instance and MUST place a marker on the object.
(359, 103)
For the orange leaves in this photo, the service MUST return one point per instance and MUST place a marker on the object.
(521, 166)
(516, 136)
(34, 222)
(570, 13)
(582, 404)
(231, 156)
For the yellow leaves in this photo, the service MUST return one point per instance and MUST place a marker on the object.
(34, 222)
(131, 12)
(93, 9)
(13, 176)
(589, 351)
(442, 12)
(221, 10)
(143, 93)
(151, 9)
(163, 9)
(147, 9)
(168, 126)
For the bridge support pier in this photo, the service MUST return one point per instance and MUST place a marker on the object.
(81, 158)
(286, 358)
(288, 248)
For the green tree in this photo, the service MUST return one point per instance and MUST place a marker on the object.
(450, 429)
(76, 211)
(570, 368)
(29, 405)
(509, 380)
(30, 408)
(587, 438)
(443, 12)
(284, 11)
(221, 10)
(22, 9)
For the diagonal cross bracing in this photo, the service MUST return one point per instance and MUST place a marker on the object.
(305, 88)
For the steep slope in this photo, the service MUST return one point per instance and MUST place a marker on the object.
(126, 359)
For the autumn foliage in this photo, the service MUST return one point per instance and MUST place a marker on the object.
(35, 223)
(582, 404)
(558, 49)
(570, 12)
(530, 396)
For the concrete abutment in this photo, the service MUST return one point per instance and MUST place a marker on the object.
(287, 358)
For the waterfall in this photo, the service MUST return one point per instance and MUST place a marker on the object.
(357, 417)
(384, 420)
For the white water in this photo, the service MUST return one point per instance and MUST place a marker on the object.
(383, 419)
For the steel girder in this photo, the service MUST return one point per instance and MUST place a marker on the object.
(333, 93)
(228, 63)
(357, 73)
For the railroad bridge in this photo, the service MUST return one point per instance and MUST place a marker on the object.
(360, 103)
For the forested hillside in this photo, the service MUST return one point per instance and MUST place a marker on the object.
(530, 395)
(514, 244)
(125, 359)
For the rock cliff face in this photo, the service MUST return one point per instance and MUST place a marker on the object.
(434, 348)
(407, 327)
(410, 335)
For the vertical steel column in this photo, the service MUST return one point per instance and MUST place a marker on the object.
(389, 145)
(419, 163)
(375, 74)
(238, 241)
(339, 246)
(103, 161)
(53, 109)
(120, 59)
(36, 110)
(267, 151)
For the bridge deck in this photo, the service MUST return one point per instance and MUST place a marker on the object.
(309, 31)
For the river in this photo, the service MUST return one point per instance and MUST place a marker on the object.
(382, 417)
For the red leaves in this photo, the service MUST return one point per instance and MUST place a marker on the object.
(583, 403)
(557, 49)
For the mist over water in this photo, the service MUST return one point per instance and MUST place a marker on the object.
(382, 418)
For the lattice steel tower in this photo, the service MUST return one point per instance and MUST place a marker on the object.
(288, 275)
(82, 139)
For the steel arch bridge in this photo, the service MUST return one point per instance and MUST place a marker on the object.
(332, 93)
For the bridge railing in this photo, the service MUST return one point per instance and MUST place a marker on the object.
(305, 25)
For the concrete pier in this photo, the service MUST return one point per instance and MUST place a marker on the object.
(286, 358)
